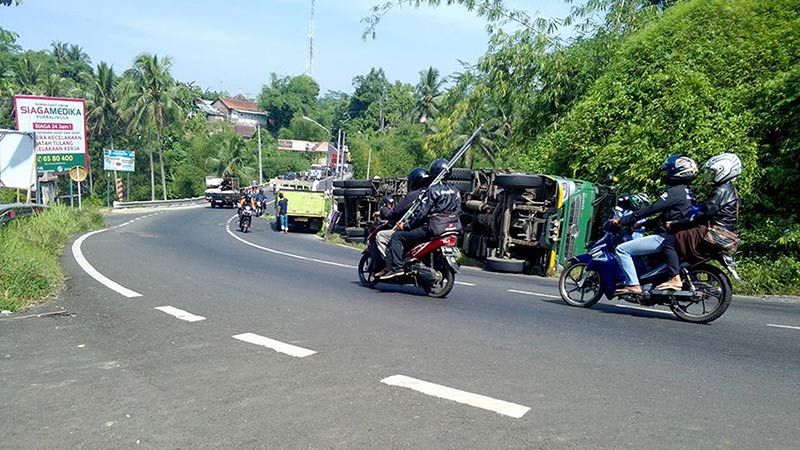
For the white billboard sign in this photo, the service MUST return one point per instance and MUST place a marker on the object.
(17, 159)
(60, 126)
(119, 160)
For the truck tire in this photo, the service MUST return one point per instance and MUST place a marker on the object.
(349, 184)
(504, 265)
(514, 180)
(461, 174)
(465, 187)
(338, 192)
(355, 240)
(213, 205)
(355, 232)
(358, 192)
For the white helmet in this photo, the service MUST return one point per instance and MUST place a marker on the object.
(725, 167)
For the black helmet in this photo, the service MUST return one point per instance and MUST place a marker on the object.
(388, 199)
(439, 166)
(418, 178)
(679, 169)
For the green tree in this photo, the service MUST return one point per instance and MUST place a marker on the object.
(150, 95)
(429, 95)
(286, 97)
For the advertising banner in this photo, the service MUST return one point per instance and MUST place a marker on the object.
(119, 160)
(17, 159)
(60, 127)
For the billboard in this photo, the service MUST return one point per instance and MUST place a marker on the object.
(17, 159)
(119, 160)
(60, 127)
(302, 146)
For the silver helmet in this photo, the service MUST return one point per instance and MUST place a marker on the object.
(725, 167)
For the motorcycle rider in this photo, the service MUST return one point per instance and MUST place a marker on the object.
(246, 199)
(417, 181)
(439, 201)
(720, 208)
(680, 170)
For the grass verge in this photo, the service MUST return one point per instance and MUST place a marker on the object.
(29, 253)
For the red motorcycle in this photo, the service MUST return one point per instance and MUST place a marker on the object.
(430, 265)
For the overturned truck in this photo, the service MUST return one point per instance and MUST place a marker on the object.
(513, 222)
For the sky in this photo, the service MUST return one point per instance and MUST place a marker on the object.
(234, 45)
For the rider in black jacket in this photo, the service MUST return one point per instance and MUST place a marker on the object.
(437, 199)
(672, 205)
(417, 181)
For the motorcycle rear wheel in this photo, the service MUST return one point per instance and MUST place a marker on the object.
(715, 287)
(365, 271)
(580, 287)
(443, 287)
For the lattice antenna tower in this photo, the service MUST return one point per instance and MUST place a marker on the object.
(310, 67)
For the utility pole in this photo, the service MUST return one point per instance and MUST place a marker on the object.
(310, 68)
(260, 167)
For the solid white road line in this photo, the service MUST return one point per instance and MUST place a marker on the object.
(464, 283)
(456, 395)
(642, 308)
(533, 293)
(291, 255)
(180, 314)
(281, 347)
(92, 272)
(782, 326)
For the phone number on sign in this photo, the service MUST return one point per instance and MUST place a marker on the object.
(55, 158)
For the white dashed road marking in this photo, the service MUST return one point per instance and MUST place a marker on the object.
(180, 314)
(281, 347)
(479, 401)
(464, 283)
(782, 326)
(533, 293)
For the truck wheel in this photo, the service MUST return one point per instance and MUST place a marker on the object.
(353, 184)
(518, 180)
(338, 192)
(461, 174)
(504, 265)
(213, 205)
(355, 232)
(465, 187)
(358, 192)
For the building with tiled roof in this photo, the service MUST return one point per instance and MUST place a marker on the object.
(242, 113)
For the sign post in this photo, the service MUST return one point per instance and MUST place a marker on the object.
(78, 174)
(119, 160)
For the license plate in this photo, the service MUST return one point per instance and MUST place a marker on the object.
(450, 251)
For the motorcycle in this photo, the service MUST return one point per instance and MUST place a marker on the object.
(245, 218)
(706, 292)
(430, 265)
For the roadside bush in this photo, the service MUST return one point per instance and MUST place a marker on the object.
(765, 275)
(29, 253)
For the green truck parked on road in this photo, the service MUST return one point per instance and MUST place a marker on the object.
(306, 208)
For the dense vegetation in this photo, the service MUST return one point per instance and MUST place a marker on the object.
(636, 81)
(30, 249)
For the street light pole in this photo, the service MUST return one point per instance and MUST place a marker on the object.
(260, 167)
(338, 143)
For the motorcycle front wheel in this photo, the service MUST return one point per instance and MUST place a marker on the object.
(715, 292)
(366, 275)
(579, 286)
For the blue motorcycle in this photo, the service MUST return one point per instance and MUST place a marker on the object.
(706, 292)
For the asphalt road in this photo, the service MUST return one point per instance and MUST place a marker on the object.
(114, 372)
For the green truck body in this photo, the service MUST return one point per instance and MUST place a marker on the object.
(306, 209)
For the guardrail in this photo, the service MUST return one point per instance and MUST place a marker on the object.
(162, 203)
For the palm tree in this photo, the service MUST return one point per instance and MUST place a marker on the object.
(150, 95)
(429, 93)
(28, 73)
(103, 105)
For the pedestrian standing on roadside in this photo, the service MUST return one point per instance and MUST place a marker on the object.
(283, 213)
